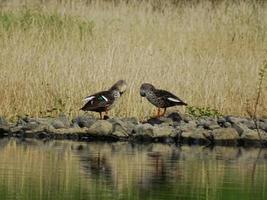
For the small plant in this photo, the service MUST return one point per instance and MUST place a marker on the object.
(253, 110)
(202, 111)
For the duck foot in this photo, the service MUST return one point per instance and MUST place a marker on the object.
(106, 117)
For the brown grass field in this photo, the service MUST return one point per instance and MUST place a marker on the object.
(54, 53)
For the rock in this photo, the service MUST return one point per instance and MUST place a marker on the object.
(3, 121)
(225, 134)
(57, 124)
(120, 128)
(209, 124)
(4, 130)
(196, 134)
(154, 131)
(263, 126)
(239, 124)
(31, 125)
(131, 120)
(240, 128)
(16, 130)
(84, 121)
(176, 117)
(249, 124)
(213, 126)
(144, 129)
(154, 121)
(69, 131)
(44, 121)
(101, 127)
(64, 119)
(227, 125)
(187, 127)
(165, 131)
(253, 135)
(221, 121)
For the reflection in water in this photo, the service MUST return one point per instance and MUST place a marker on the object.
(34, 169)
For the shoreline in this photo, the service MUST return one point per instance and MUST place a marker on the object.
(175, 128)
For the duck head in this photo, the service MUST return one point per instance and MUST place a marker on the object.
(146, 87)
(119, 86)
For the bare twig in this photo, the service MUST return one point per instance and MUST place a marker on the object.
(253, 114)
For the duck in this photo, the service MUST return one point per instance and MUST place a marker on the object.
(103, 101)
(160, 98)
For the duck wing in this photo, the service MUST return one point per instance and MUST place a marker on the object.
(169, 98)
(98, 102)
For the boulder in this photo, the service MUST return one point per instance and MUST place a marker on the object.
(253, 135)
(196, 134)
(225, 134)
(163, 131)
(208, 123)
(143, 130)
(102, 127)
(84, 121)
(120, 128)
(131, 120)
(3, 121)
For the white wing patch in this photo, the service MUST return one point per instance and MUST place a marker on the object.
(173, 99)
(104, 97)
(89, 98)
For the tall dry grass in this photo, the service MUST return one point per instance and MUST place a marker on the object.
(54, 53)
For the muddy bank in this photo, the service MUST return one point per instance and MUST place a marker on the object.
(175, 128)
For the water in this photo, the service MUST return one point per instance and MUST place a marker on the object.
(35, 169)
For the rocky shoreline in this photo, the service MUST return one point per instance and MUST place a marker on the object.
(175, 128)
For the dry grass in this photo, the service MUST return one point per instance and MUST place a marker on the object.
(54, 54)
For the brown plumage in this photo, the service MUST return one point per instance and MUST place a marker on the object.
(160, 98)
(103, 101)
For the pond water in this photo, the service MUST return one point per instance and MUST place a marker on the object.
(34, 169)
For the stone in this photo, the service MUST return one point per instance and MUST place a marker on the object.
(197, 134)
(187, 127)
(144, 129)
(209, 124)
(64, 119)
(165, 131)
(176, 117)
(249, 124)
(101, 127)
(57, 124)
(131, 120)
(227, 124)
(234, 120)
(4, 130)
(154, 131)
(31, 125)
(120, 128)
(225, 134)
(68, 131)
(84, 121)
(253, 135)
(155, 120)
(221, 121)
(263, 126)
(3, 121)
(240, 128)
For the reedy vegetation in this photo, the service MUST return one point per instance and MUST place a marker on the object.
(54, 53)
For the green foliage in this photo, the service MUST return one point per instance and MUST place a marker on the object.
(202, 111)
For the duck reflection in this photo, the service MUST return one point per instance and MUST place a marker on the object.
(94, 163)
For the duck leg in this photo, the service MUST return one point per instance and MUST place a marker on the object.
(158, 113)
(164, 112)
(100, 113)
